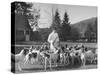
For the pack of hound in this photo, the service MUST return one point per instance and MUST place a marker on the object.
(61, 56)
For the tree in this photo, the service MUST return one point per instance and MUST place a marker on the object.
(26, 19)
(95, 28)
(21, 7)
(75, 35)
(89, 32)
(32, 15)
(56, 24)
(66, 28)
(44, 33)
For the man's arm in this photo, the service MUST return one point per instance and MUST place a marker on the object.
(49, 38)
(57, 37)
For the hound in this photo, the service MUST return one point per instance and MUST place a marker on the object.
(32, 56)
(49, 56)
(90, 56)
(19, 57)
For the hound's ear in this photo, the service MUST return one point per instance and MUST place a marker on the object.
(26, 51)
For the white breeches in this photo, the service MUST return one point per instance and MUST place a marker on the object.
(52, 48)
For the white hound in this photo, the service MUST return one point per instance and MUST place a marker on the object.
(32, 56)
(19, 57)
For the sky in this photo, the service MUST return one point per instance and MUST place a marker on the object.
(76, 13)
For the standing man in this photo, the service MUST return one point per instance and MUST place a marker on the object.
(53, 40)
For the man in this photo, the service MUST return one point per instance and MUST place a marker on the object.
(53, 40)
